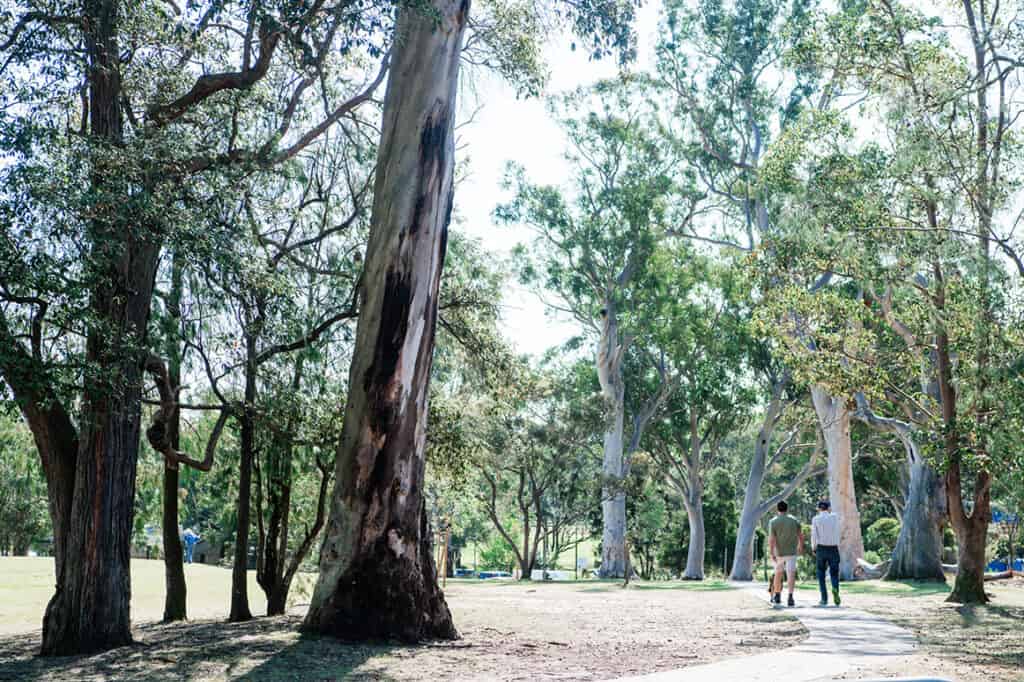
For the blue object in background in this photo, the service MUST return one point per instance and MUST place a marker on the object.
(191, 540)
(1000, 565)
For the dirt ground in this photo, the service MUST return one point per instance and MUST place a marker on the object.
(966, 644)
(510, 631)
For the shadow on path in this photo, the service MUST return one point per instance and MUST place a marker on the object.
(841, 640)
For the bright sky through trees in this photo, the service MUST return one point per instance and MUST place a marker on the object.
(498, 128)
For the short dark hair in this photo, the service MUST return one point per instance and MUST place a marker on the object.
(824, 504)
(782, 506)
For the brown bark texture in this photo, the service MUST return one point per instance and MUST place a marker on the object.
(377, 576)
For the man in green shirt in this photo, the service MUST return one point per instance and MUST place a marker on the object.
(786, 543)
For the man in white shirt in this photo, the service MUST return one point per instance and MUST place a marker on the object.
(825, 534)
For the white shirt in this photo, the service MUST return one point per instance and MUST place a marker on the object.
(825, 529)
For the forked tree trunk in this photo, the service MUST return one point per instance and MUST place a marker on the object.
(753, 505)
(695, 550)
(174, 569)
(750, 515)
(377, 576)
(971, 535)
(90, 609)
(834, 418)
(969, 586)
(918, 551)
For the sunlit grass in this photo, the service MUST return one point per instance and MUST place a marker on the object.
(26, 585)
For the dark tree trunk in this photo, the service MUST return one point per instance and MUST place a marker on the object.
(969, 587)
(90, 609)
(918, 551)
(247, 446)
(174, 569)
(377, 575)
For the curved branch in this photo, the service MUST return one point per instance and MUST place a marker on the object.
(158, 434)
(210, 84)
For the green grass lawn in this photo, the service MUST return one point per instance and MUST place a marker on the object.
(26, 585)
(886, 588)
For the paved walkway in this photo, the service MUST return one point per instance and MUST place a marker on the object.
(841, 641)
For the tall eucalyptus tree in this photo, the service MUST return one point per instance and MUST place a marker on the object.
(593, 252)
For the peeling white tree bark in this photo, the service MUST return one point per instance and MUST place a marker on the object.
(834, 419)
(610, 352)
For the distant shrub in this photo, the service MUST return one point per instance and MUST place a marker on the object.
(881, 535)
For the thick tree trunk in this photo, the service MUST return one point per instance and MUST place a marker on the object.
(918, 551)
(969, 586)
(695, 551)
(377, 575)
(277, 599)
(834, 417)
(174, 569)
(90, 609)
(613, 499)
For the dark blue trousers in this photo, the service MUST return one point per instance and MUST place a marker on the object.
(828, 559)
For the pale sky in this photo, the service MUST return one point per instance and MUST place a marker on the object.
(502, 129)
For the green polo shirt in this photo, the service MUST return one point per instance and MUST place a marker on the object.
(785, 529)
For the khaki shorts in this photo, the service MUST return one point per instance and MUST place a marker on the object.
(788, 563)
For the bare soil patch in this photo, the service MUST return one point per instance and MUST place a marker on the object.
(963, 643)
(589, 631)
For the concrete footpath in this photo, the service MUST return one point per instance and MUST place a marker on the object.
(842, 641)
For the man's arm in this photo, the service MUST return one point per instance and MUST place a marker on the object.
(800, 541)
(814, 534)
(771, 545)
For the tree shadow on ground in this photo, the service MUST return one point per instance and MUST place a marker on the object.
(260, 649)
(977, 635)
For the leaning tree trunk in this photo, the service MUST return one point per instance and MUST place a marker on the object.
(743, 554)
(695, 551)
(834, 417)
(918, 551)
(377, 575)
(174, 569)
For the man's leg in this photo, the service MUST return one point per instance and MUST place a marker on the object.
(791, 575)
(834, 575)
(777, 580)
(822, 565)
